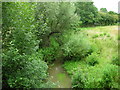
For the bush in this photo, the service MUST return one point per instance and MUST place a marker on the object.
(110, 77)
(96, 77)
(78, 80)
(76, 45)
(92, 59)
(23, 71)
(50, 52)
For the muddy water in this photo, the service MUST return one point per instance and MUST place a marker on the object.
(58, 75)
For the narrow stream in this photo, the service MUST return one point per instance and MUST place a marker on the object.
(58, 75)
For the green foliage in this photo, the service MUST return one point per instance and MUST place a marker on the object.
(90, 77)
(18, 18)
(24, 71)
(99, 69)
(103, 10)
(115, 60)
(112, 12)
(32, 76)
(78, 80)
(107, 19)
(87, 12)
(50, 52)
(109, 77)
(92, 59)
(31, 40)
(95, 47)
(55, 18)
(76, 45)
(23, 66)
(60, 12)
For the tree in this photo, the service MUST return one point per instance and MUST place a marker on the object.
(103, 10)
(23, 66)
(107, 19)
(87, 12)
(112, 12)
(57, 17)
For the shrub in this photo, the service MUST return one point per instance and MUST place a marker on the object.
(50, 52)
(23, 71)
(96, 77)
(78, 80)
(92, 59)
(110, 77)
(76, 45)
(95, 47)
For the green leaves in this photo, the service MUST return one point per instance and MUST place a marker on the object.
(76, 45)
(93, 59)
(87, 12)
(23, 66)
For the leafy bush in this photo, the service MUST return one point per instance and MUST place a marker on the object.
(107, 19)
(78, 80)
(92, 59)
(95, 48)
(76, 45)
(107, 77)
(23, 66)
(110, 77)
(24, 71)
(50, 52)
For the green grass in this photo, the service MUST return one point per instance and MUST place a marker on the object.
(103, 38)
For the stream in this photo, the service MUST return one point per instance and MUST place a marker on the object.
(58, 75)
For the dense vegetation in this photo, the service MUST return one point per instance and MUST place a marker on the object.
(99, 69)
(36, 34)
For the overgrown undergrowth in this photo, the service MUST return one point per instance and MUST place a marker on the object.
(99, 68)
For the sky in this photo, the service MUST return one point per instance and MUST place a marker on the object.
(110, 5)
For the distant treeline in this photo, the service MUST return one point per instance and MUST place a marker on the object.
(90, 16)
